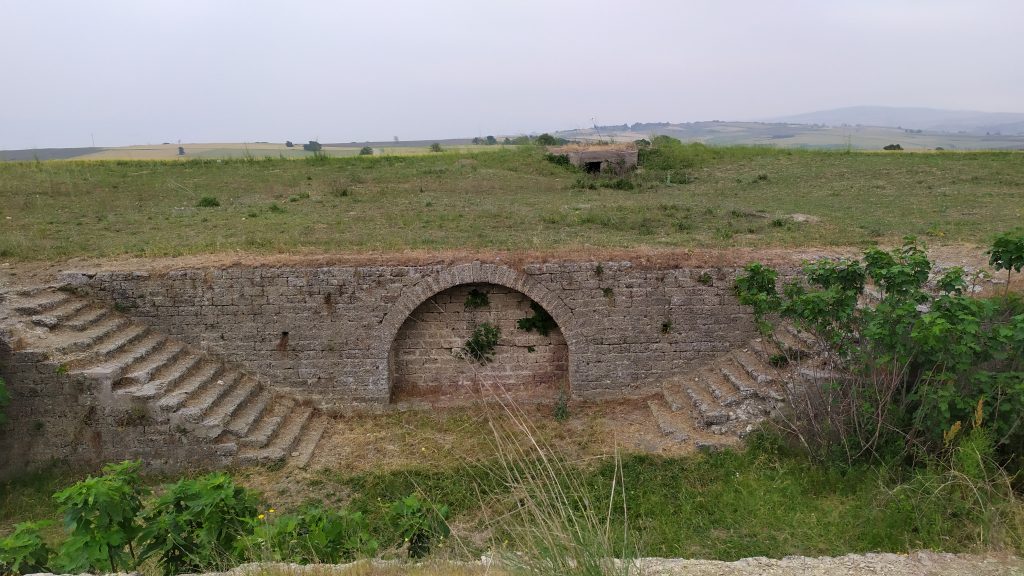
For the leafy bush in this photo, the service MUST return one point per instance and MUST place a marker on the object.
(366, 151)
(196, 524)
(313, 535)
(540, 321)
(1007, 253)
(915, 361)
(100, 518)
(667, 153)
(436, 147)
(208, 202)
(476, 299)
(558, 159)
(24, 551)
(420, 523)
(481, 343)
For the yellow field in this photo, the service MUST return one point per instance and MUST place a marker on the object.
(257, 150)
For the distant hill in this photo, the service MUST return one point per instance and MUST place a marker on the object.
(795, 135)
(930, 119)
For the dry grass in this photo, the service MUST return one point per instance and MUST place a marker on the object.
(502, 200)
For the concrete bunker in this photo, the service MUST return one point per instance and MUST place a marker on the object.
(428, 361)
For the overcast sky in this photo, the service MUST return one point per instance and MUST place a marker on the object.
(137, 72)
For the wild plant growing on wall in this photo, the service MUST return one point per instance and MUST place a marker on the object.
(914, 359)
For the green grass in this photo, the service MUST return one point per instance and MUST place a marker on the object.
(505, 199)
(724, 506)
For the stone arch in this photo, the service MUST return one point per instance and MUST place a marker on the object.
(475, 273)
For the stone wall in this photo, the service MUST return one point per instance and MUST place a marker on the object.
(63, 419)
(427, 359)
(328, 332)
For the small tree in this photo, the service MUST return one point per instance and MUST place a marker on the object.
(1007, 253)
(477, 141)
(436, 147)
(546, 139)
(366, 151)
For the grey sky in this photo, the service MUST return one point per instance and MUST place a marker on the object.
(136, 72)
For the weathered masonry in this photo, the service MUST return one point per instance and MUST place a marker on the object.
(341, 336)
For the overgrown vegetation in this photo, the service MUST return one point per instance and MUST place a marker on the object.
(480, 345)
(198, 525)
(476, 299)
(502, 199)
(915, 360)
(540, 321)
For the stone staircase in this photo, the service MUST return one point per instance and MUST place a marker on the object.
(720, 403)
(171, 381)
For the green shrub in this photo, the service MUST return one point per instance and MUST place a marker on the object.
(366, 151)
(313, 535)
(436, 147)
(917, 361)
(618, 184)
(1007, 253)
(420, 523)
(481, 343)
(558, 159)
(195, 524)
(476, 299)
(540, 321)
(208, 202)
(24, 551)
(100, 518)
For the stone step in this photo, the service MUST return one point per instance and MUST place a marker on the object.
(67, 309)
(41, 302)
(265, 427)
(86, 317)
(198, 404)
(168, 375)
(291, 428)
(246, 416)
(203, 374)
(228, 404)
(118, 340)
(738, 379)
(136, 351)
(760, 372)
(709, 411)
(720, 388)
(676, 425)
(141, 371)
(303, 452)
(675, 396)
(87, 338)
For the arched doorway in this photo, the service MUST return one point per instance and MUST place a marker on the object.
(478, 337)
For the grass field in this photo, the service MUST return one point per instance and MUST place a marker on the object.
(764, 501)
(502, 199)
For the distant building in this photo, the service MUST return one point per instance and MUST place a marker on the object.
(613, 158)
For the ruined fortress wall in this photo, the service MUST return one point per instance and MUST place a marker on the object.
(328, 333)
(62, 419)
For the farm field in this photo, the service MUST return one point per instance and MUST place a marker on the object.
(503, 199)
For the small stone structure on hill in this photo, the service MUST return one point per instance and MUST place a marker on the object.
(606, 158)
